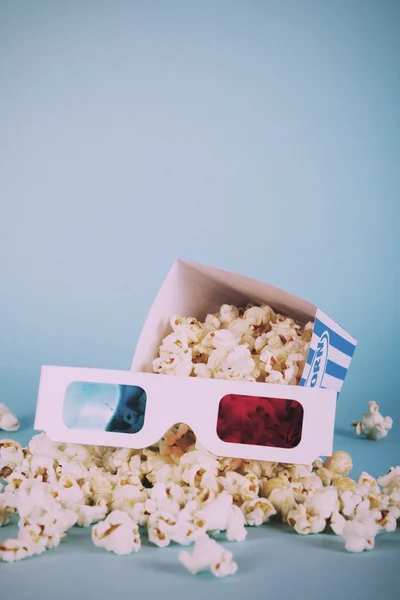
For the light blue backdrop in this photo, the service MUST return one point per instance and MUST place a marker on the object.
(258, 136)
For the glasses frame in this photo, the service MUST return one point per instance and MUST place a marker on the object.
(190, 400)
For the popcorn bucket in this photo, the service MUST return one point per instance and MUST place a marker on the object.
(239, 419)
(192, 289)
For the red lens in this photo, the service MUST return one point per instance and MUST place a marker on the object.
(257, 421)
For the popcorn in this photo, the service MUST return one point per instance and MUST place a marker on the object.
(297, 471)
(234, 364)
(251, 467)
(126, 496)
(87, 514)
(195, 464)
(209, 555)
(49, 528)
(304, 522)
(305, 487)
(101, 485)
(40, 445)
(161, 526)
(348, 503)
(372, 424)
(11, 456)
(187, 327)
(68, 492)
(174, 343)
(34, 499)
(259, 315)
(221, 515)
(391, 486)
(140, 514)
(235, 530)
(325, 475)
(186, 531)
(212, 323)
(6, 508)
(224, 339)
(8, 421)
(174, 364)
(339, 463)
(159, 500)
(81, 454)
(121, 459)
(228, 313)
(276, 377)
(202, 370)
(42, 468)
(344, 483)
(365, 511)
(118, 533)
(260, 342)
(154, 464)
(337, 523)
(307, 331)
(317, 464)
(283, 501)
(388, 519)
(240, 327)
(368, 489)
(391, 481)
(257, 511)
(269, 485)
(324, 503)
(248, 341)
(359, 535)
(12, 550)
(242, 488)
(285, 328)
(228, 346)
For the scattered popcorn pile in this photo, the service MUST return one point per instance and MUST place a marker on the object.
(182, 496)
(250, 344)
(180, 492)
(373, 425)
(8, 421)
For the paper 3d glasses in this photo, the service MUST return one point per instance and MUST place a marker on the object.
(259, 421)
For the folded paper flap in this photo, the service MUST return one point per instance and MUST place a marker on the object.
(194, 290)
(330, 354)
(244, 289)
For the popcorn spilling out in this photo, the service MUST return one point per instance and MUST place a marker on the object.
(373, 425)
(182, 499)
(182, 493)
(8, 421)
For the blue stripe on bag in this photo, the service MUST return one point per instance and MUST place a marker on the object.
(335, 339)
(335, 370)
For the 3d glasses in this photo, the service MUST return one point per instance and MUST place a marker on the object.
(231, 418)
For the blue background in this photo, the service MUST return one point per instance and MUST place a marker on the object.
(260, 136)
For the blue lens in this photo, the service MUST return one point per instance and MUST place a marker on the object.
(104, 407)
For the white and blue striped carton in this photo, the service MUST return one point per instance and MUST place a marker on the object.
(193, 289)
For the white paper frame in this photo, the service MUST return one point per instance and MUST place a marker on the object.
(189, 400)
